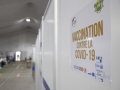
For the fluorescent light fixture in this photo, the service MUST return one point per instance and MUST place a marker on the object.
(27, 20)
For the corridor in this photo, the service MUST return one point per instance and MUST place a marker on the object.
(15, 76)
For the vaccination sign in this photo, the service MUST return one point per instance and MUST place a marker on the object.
(91, 41)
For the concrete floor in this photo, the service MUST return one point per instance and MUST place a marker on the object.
(15, 76)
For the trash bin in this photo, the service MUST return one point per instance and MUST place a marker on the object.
(28, 64)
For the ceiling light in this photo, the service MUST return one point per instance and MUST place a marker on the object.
(27, 20)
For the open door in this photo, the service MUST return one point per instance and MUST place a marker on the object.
(18, 55)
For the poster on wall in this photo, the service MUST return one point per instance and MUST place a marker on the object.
(90, 38)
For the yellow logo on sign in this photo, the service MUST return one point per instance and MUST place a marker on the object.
(98, 6)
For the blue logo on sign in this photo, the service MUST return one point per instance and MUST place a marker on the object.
(101, 79)
(92, 74)
(99, 59)
(89, 73)
(76, 67)
(74, 21)
(99, 65)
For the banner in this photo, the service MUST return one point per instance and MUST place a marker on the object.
(91, 41)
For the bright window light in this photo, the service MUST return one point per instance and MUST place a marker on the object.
(27, 20)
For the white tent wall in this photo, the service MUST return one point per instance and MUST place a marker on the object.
(19, 42)
(68, 79)
(29, 41)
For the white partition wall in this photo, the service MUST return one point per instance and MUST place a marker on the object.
(47, 48)
(40, 58)
(40, 80)
(36, 66)
(54, 50)
(69, 79)
(38, 61)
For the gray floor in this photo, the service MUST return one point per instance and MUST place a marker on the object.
(16, 76)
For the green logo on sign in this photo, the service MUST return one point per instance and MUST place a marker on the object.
(98, 6)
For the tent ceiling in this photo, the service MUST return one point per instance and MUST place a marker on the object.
(14, 12)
